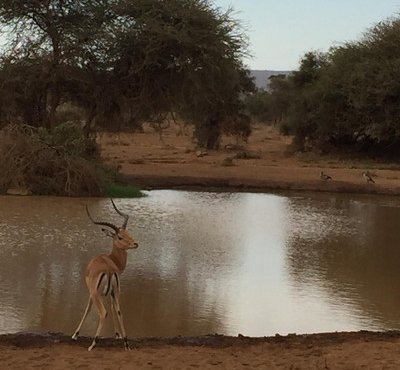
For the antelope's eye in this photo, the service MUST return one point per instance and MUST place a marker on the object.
(120, 238)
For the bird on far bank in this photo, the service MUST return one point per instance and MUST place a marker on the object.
(368, 178)
(324, 176)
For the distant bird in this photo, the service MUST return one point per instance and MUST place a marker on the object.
(324, 176)
(368, 178)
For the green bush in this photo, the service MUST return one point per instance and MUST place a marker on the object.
(118, 190)
(68, 138)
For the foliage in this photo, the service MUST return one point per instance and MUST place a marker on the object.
(75, 66)
(59, 163)
(124, 62)
(67, 139)
(272, 105)
(28, 162)
(116, 190)
(350, 96)
(259, 106)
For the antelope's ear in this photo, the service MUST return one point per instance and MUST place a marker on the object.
(108, 233)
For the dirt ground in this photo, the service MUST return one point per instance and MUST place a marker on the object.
(147, 161)
(362, 350)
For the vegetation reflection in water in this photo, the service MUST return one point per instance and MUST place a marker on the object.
(256, 264)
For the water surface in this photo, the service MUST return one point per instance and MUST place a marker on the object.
(229, 263)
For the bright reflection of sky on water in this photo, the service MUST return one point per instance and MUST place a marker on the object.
(256, 264)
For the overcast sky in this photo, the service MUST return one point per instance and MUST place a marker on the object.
(281, 31)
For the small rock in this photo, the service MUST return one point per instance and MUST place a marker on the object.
(228, 161)
(201, 152)
(246, 154)
(18, 191)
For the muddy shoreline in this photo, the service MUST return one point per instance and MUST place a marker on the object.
(31, 339)
(325, 351)
(156, 182)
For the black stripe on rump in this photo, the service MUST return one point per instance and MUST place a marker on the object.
(100, 280)
(117, 279)
(108, 285)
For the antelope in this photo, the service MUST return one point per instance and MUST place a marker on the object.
(102, 278)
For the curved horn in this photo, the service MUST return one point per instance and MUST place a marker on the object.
(124, 215)
(112, 226)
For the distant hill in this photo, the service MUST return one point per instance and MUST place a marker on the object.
(261, 77)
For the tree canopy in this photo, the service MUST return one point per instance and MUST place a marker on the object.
(349, 97)
(124, 62)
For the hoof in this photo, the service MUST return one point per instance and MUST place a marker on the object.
(75, 336)
(126, 343)
(93, 344)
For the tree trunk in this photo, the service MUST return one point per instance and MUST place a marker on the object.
(54, 101)
(88, 123)
(208, 134)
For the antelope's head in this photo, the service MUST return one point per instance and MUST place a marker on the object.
(121, 238)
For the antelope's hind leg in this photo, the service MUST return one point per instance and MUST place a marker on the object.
(115, 301)
(117, 328)
(87, 309)
(102, 316)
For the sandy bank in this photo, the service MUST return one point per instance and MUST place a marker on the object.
(350, 350)
(145, 161)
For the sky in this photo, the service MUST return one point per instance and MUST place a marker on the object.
(281, 31)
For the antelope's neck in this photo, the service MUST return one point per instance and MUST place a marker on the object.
(119, 257)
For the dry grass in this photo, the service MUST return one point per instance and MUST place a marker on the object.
(27, 162)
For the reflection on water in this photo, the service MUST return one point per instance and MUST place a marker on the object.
(256, 264)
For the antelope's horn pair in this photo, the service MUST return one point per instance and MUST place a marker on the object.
(109, 224)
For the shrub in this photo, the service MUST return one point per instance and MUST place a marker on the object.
(116, 190)
(62, 162)
(28, 161)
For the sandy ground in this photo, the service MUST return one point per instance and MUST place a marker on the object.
(173, 163)
(362, 350)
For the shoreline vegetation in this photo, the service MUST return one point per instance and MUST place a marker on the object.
(63, 162)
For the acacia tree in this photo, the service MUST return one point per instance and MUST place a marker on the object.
(55, 31)
(182, 57)
(281, 94)
(126, 61)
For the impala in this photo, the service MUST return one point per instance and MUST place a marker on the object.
(102, 277)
